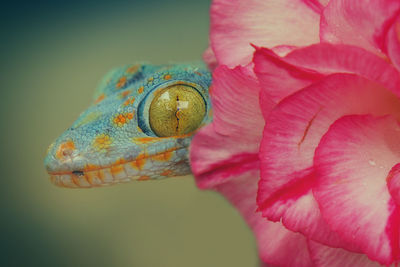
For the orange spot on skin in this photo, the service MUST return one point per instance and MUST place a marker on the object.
(133, 69)
(167, 77)
(121, 82)
(140, 90)
(150, 79)
(167, 173)
(121, 119)
(198, 73)
(143, 178)
(165, 156)
(125, 93)
(140, 161)
(65, 149)
(100, 98)
(120, 161)
(129, 101)
(116, 169)
(102, 142)
(91, 167)
(145, 140)
(129, 116)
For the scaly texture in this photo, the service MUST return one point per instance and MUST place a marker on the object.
(113, 140)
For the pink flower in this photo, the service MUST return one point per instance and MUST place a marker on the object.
(324, 172)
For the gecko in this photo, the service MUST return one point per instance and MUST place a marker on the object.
(139, 127)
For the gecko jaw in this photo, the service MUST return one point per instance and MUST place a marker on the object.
(123, 171)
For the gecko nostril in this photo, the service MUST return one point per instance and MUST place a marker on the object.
(67, 152)
(65, 149)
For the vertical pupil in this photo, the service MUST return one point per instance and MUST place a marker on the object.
(177, 114)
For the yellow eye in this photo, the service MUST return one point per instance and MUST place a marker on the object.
(176, 110)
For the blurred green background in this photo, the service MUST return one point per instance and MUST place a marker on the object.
(52, 55)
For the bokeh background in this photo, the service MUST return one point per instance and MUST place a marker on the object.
(52, 55)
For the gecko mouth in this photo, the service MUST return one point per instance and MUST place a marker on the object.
(139, 169)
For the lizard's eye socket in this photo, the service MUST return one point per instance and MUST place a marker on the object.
(176, 110)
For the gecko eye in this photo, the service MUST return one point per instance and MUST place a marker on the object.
(176, 110)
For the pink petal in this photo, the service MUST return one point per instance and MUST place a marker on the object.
(393, 43)
(278, 78)
(324, 256)
(352, 162)
(301, 214)
(359, 23)
(276, 244)
(214, 158)
(327, 59)
(235, 102)
(235, 24)
(229, 146)
(293, 132)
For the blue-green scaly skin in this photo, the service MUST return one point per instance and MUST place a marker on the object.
(112, 141)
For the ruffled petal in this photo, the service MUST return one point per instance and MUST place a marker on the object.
(352, 163)
(324, 256)
(359, 23)
(327, 59)
(277, 245)
(301, 214)
(279, 78)
(235, 24)
(229, 145)
(293, 132)
(214, 158)
(393, 43)
(235, 102)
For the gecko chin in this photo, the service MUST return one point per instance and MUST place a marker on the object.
(169, 163)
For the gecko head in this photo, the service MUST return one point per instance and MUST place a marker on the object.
(139, 127)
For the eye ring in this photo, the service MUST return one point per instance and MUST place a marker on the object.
(175, 109)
